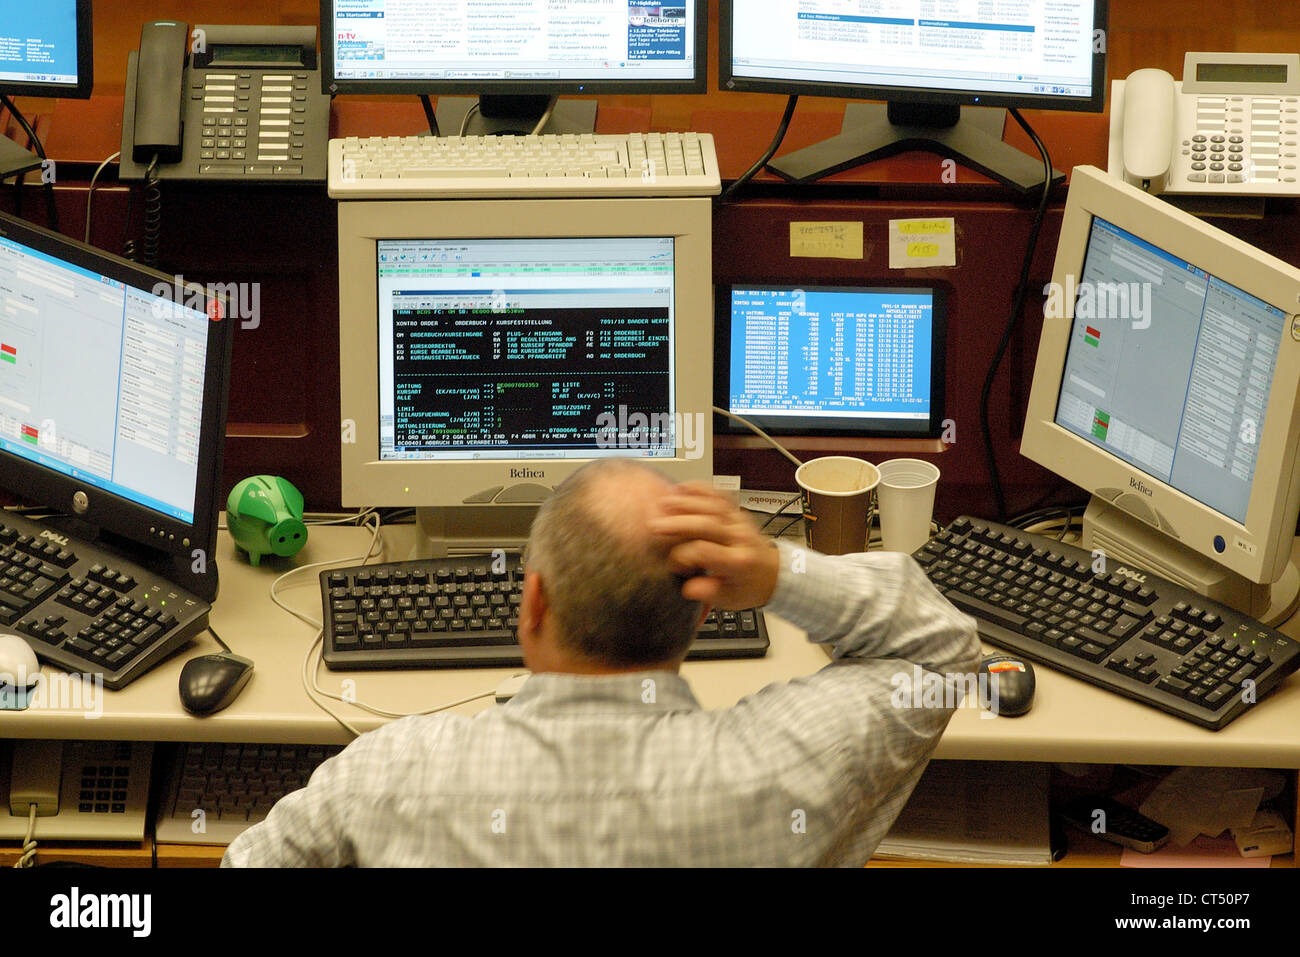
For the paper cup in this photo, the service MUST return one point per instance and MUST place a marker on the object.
(836, 493)
(905, 498)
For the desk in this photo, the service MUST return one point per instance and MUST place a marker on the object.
(1071, 721)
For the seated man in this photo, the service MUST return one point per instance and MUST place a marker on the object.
(605, 757)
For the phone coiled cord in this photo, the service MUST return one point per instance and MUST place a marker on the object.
(152, 215)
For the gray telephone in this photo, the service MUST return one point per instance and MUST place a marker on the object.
(1229, 128)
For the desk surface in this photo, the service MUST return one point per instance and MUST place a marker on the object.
(1070, 721)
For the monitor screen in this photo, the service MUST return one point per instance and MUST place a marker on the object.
(1167, 386)
(45, 48)
(545, 348)
(113, 390)
(1169, 368)
(521, 46)
(1045, 53)
(489, 347)
(101, 381)
(832, 359)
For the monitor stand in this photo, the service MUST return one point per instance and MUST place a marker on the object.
(1124, 538)
(503, 115)
(971, 135)
(447, 532)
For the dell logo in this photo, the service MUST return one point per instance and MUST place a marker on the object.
(54, 537)
(1136, 576)
(527, 473)
(1138, 486)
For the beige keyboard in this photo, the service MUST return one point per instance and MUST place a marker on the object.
(561, 165)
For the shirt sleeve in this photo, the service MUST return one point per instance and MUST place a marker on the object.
(851, 740)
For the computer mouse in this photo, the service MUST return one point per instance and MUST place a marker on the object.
(1015, 684)
(19, 671)
(211, 682)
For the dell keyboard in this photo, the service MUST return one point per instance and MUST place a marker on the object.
(462, 612)
(87, 611)
(1124, 630)
(214, 792)
(529, 167)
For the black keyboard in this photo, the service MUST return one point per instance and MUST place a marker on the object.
(461, 612)
(84, 609)
(1126, 630)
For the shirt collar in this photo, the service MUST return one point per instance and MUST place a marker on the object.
(631, 692)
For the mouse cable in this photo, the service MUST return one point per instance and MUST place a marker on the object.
(312, 673)
(1017, 307)
(90, 193)
(224, 647)
(775, 145)
(760, 433)
(28, 856)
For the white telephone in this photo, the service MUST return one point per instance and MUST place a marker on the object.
(1229, 128)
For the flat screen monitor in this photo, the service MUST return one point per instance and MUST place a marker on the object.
(113, 387)
(926, 59)
(490, 349)
(831, 360)
(1168, 378)
(46, 48)
(511, 53)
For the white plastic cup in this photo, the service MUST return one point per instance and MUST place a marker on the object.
(905, 499)
(836, 493)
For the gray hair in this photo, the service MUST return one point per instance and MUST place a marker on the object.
(609, 586)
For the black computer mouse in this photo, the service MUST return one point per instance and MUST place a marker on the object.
(211, 682)
(1014, 680)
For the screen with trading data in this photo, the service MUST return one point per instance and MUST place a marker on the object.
(832, 359)
(526, 348)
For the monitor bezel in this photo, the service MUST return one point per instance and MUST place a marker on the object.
(106, 511)
(1260, 547)
(729, 80)
(334, 86)
(722, 362)
(85, 66)
(369, 480)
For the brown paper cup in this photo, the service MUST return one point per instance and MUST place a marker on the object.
(836, 493)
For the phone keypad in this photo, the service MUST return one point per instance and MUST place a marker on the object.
(1242, 140)
(253, 125)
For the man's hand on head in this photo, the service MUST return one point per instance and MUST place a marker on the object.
(715, 547)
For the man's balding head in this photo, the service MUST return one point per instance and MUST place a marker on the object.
(605, 579)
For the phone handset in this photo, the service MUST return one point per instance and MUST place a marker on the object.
(1148, 128)
(159, 92)
(37, 768)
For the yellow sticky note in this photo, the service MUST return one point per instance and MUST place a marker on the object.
(917, 243)
(826, 240)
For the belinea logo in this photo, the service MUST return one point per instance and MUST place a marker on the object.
(527, 473)
(1138, 486)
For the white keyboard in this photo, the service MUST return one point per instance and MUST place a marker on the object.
(568, 164)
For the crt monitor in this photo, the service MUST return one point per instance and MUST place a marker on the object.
(926, 60)
(490, 348)
(515, 56)
(1167, 385)
(831, 360)
(113, 386)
